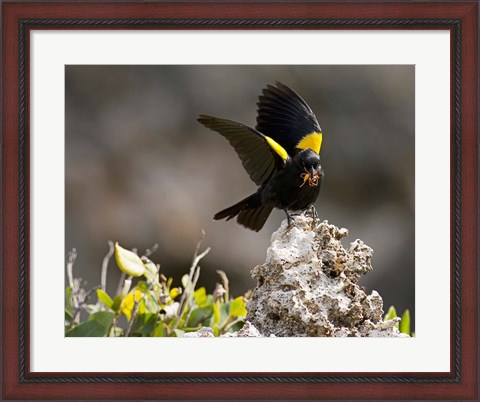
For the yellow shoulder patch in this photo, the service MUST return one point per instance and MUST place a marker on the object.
(277, 148)
(312, 141)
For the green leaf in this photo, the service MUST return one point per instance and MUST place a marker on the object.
(128, 261)
(142, 287)
(151, 271)
(117, 302)
(88, 328)
(68, 300)
(151, 303)
(144, 324)
(200, 297)
(224, 313)
(104, 298)
(175, 292)
(185, 280)
(391, 314)
(128, 303)
(191, 329)
(116, 332)
(238, 307)
(216, 313)
(405, 322)
(236, 327)
(103, 317)
(161, 330)
(98, 325)
(200, 315)
(178, 333)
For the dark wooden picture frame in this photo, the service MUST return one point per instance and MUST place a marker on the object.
(18, 18)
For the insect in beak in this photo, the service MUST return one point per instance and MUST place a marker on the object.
(310, 176)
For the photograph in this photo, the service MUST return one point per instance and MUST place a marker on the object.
(299, 222)
(296, 181)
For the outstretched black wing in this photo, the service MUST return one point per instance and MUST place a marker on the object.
(284, 116)
(260, 155)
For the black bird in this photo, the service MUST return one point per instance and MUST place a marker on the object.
(281, 155)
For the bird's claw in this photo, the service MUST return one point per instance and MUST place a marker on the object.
(313, 212)
(289, 218)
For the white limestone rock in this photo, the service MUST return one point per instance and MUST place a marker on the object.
(307, 285)
(204, 332)
(247, 331)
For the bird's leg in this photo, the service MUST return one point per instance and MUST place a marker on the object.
(313, 211)
(289, 217)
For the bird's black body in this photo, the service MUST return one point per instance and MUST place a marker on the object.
(281, 155)
(286, 188)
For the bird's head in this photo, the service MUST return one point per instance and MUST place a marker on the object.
(309, 163)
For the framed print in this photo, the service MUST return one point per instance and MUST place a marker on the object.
(106, 111)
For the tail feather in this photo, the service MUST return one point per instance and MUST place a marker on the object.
(231, 212)
(251, 213)
(254, 218)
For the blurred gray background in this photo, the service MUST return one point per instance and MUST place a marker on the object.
(140, 170)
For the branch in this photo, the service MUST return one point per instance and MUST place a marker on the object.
(106, 259)
(192, 279)
(72, 256)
